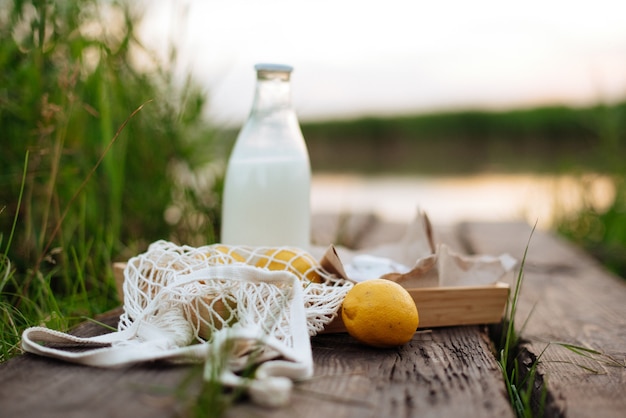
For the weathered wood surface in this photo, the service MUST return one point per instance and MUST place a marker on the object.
(32, 386)
(446, 372)
(568, 298)
(441, 372)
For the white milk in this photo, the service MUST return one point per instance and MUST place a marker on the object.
(267, 201)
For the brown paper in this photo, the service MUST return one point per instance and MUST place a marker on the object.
(426, 264)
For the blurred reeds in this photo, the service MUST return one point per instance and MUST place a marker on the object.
(91, 147)
(546, 139)
(603, 232)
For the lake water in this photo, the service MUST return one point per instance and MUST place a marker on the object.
(447, 200)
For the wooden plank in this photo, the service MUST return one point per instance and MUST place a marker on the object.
(342, 229)
(566, 297)
(447, 371)
(444, 373)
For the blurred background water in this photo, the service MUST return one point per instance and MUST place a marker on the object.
(451, 199)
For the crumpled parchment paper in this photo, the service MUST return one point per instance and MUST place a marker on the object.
(416, 261)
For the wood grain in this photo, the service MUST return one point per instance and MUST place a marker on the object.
(566, 297)
(448, 372)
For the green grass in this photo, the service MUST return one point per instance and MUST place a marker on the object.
(528, 391)
(519, 382)
(86, 169)
(602, 231)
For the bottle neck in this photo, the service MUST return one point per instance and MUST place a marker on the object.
(273, 92)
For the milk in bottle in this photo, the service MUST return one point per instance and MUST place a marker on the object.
(266, 198)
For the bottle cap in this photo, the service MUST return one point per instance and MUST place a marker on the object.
(273, 71)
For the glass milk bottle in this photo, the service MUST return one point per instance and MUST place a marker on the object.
(268, 180)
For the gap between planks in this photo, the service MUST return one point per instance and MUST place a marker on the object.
(566, 297)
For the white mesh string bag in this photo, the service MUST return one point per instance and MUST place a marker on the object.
(228, 306)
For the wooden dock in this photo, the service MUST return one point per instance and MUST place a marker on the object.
(567, 300)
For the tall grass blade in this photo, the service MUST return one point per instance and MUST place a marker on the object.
(19, 205)
(592, 354)
(57, 227)
(518, 389)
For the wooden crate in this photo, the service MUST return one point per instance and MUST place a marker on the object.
(452, 306)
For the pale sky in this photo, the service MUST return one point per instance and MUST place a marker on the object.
(355, 57)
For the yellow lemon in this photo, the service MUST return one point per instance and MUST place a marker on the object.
(294, 260)
(230, 252)
(217, 311)
(380, 313)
